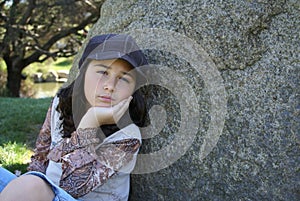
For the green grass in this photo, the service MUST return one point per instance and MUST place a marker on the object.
(20, 122)
(63, 63)
(22, 118)
(15, 156)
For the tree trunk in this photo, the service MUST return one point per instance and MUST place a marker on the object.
(13, 81)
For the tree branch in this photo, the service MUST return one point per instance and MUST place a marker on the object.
(28, 12)
(40, 50)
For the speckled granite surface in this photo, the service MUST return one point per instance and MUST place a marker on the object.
(254, 47)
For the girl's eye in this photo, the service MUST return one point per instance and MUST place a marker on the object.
(103, 72)
(124, 79)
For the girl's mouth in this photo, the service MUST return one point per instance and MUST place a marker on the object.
(106, 98)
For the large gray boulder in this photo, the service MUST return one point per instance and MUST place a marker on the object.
(227, 108)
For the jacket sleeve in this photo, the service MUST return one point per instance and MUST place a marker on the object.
(39, 161)
(87, 166)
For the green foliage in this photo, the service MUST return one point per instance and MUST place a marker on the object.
(2, 65)
(3, 75)
(59, 64)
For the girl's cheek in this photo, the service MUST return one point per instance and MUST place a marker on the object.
(100, 82)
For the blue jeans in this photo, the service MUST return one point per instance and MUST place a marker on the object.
(5, 178)
(60, 194)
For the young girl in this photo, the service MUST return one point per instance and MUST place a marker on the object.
(89, 141)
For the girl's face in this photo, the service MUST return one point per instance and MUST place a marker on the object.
(107, 82)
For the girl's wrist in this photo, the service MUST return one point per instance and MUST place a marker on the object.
(89, 120)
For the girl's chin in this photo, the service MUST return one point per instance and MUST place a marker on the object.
(103, 105)
(98, 105)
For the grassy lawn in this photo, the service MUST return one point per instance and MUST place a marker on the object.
(22, 118)
(20, 122)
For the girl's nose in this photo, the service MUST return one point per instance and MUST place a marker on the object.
(110, 84)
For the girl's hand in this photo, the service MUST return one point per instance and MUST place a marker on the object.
(97, 116)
